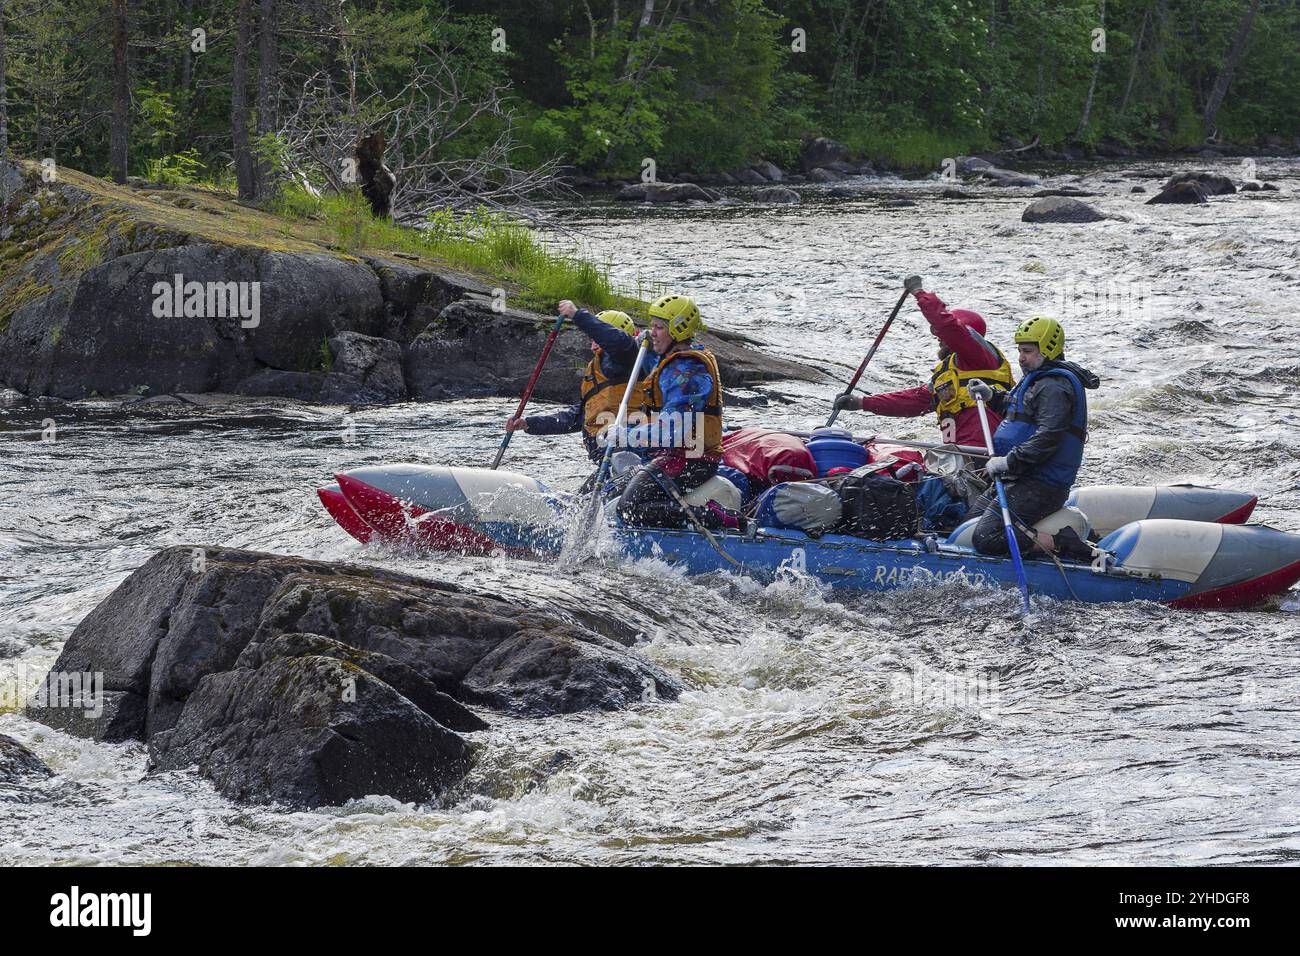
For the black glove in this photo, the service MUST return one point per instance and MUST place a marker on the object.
(848, 402)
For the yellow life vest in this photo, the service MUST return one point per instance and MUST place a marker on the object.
(601, 397)
(653, 396)
(948, 383)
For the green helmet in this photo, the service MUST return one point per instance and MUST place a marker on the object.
(620, 320)
(680, 314)
(1046, 333)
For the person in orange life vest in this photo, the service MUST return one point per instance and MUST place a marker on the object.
(614, 350)
(964, 355)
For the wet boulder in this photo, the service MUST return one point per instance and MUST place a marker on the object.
(18, 764)
(769, 171)
(780, 194)
(1212, 184)
(1060, 209)
(366, 370)
(310, 731)
(821, 152)
(305, 682)
(749, 177)
(1187, 193)
(823, 174)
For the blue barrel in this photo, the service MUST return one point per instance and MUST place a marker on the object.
(835, 448)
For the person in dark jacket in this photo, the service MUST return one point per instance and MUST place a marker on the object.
(614, 348)
(1038, 448)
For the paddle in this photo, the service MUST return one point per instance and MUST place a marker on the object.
(910, 285)
(611, 436)
(528, 390)
(1006, 512)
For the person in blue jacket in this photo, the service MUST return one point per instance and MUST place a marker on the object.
(682, 440)
(614, 348)
(1038, 448)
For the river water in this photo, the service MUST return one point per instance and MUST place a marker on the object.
(925, 726)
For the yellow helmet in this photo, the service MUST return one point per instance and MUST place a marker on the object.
(1046, 333)
(680, 314)
(620, 320)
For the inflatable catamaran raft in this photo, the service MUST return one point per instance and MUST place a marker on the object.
(1181, 545)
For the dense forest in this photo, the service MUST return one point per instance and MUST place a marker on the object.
(244, 92)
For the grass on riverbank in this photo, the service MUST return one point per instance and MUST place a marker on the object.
(481, 241)
(910, 148)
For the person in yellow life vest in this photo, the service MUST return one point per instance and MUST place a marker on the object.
(613, 348)
(681, 444)
(964, 355)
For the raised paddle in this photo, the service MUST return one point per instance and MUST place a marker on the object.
(1012, 544)
(910, 284)
(528, 390)
(611, 436)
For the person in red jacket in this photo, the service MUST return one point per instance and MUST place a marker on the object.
(964, 355)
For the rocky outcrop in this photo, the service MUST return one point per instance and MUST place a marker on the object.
(475, 349)
(18, 764)
(284, 679)
(1060, 209)
(365, 370)
(101, 296)
(769, 171)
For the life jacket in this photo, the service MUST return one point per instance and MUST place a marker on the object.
(1062, 468)
(652, 401)
(601, 397)
(948, 375)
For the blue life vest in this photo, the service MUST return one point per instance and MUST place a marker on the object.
(1062, 468)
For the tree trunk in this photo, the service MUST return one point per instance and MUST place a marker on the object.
(1133, 65)
(4, 93)
(121, 97)
(268, 87)
(1220, 89)
(240, 152)
(187, 57)
(1092, 85)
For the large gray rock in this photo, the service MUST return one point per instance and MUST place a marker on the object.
(1212, 184)
(769, 171)
(824, 175)
(366, 371)
(232, 661)
(821, 152)
(18, 764)
(1185, 193)
(749, 177)
(1060, 209)
(776, 194)
(310, 731)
